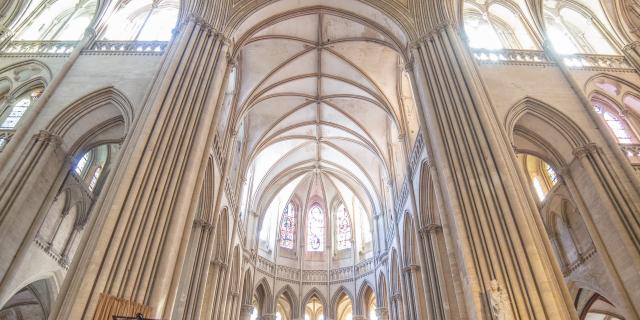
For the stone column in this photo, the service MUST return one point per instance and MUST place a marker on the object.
(143, 226)
(43, 149)
(382, 313)
(268, 317)
(494, 225)
(245, 312)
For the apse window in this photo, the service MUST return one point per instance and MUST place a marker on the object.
(315, 230)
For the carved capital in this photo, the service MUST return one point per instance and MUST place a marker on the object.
(430, 228)
(412, 268)
(585, 150)
(432, 33)
(202, 223)
(631, 46)
(47, 138)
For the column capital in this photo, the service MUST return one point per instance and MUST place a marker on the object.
(47, 137)
(412, 268)
(429, 228)
(382, 313)
(585, 150)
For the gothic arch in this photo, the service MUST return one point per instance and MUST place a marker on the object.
(342, 290)
(263, 291)
(289, 294)
(222, 237)
(98, 111)
(360, 306)
(314, 292)
(383, 291)
(551, 126)
(247, 284)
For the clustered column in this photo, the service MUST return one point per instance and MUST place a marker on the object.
(495, 226)
(145, 223)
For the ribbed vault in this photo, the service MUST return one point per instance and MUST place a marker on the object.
(324, 91)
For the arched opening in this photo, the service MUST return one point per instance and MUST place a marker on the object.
(344, 307)
(496, 25)
(34, 301)
(573, 30)
(314, 309)
(544, 140)
(284, 306)
(56, 20)
(144, 20)
(369, 303)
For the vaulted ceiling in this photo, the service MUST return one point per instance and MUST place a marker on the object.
(323, 91)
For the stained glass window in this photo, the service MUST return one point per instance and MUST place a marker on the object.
(343, 228)
(618, 127)
(59, 20)
(315, 229)
(15, 112)
(94, 179)
(287, 227)
(82, 163)
(144, 20)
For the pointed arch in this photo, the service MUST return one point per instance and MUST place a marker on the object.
(361, 304)
(100, 110)
(222, 236)
(314, 292)
(335, 300)
(247, 285)
(556, 136)
(264, 297)
(288, 293)
(383, 291)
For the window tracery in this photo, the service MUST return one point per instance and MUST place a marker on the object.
(58, 20)
(14, 111)
(494, 26)
(542, 176)
(315, 229)
(143, 20)
(343, 228)
(616, 124)
(572, 32)
(288, 227)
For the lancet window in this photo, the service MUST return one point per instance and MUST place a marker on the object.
(618, 126)
(57, 20)
(288, 227)
(143, 20)
(343, 228)
(495, 26)
(16, 109)
(573, 32)
(315, 229)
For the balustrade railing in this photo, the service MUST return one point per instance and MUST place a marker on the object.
(314, 276)
(510, 55)
(577, 61)
(129, 46)
(66, 47)
(40, 47)
(596, 61)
